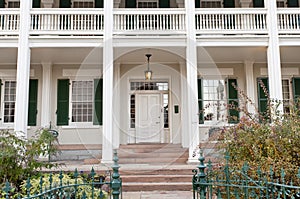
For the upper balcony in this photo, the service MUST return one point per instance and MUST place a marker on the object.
(154, 22)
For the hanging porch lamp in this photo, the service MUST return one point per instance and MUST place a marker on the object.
(148, 72)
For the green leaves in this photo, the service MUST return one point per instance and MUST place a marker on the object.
(19, 156)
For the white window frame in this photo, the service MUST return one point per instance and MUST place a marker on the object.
(224, 114)
(147, 1)
(6, 124)
(87, 124)
(83, 1)
(202, 1)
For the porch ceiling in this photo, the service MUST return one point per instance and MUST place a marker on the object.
(231, 54)
(8, 56)
(290, 54)
(67, 55)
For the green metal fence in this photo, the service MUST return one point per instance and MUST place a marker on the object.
(226, 183)
(71, 186)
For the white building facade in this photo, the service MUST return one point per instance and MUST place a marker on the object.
(78, 65)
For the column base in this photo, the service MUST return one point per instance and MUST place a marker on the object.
(109, 162)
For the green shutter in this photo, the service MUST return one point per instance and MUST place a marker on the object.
(130, 4)
(263, 107)
(233, 101)
(258, 4)
(98, 102)
(2, 3)
(65, 4)
(296, 88)
(197, 4)
(229, 4)
(36, 3)
(32, 102)
(293, 3)
(98, 3)
(200, 102)
(164, 3)
(62, 102)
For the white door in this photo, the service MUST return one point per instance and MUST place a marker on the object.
(149, 125)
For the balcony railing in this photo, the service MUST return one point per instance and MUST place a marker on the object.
(231, 21)
(9, 21)
(67, 21)
(154, 21)
(289, 21)
(57, 21)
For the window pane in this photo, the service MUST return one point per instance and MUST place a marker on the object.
(82, 101)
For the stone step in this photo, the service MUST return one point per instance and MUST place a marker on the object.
(152, 160)
(156, 186)
(151, 150)
(149, 145)
(153, 155)
(146, 171)
(156, 178)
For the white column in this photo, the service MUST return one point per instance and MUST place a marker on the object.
(116, 107)
(23, 70)
(46, 95)
(184, 106)
(250, 85)
(274, 67)
(108, 76)
(191, 73)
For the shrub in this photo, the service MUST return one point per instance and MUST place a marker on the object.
(264, 140)
(19, 156)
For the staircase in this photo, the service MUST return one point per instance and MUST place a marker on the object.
(155, 167)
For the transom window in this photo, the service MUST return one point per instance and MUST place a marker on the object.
(214, 100)
(9, 101)
(147, 3)
(82, 101)
(161, 86)
(83, 4)
(211, 3)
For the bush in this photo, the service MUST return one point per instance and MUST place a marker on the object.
(19, 156)
(262, 143)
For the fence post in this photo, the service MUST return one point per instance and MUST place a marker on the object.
(201, 176)
(116, 181)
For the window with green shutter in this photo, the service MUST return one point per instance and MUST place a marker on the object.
(293, 3)
(2, 3)
(130, 4)
(62, 111)
(200, 102)
(233, 103)
(32, 102)
(197, 3)
(296, 88)
(36, 3)
(98, 102)
(258, 3)
(98, 3)
(263, 98)
(229, 3)
(164, 3)
(65, 3)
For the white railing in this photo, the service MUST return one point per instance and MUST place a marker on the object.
(288, 21)
(154, 21)
(9, 21)
(59, 21)
(231, 21)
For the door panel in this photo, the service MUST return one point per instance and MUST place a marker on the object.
(149, 125)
